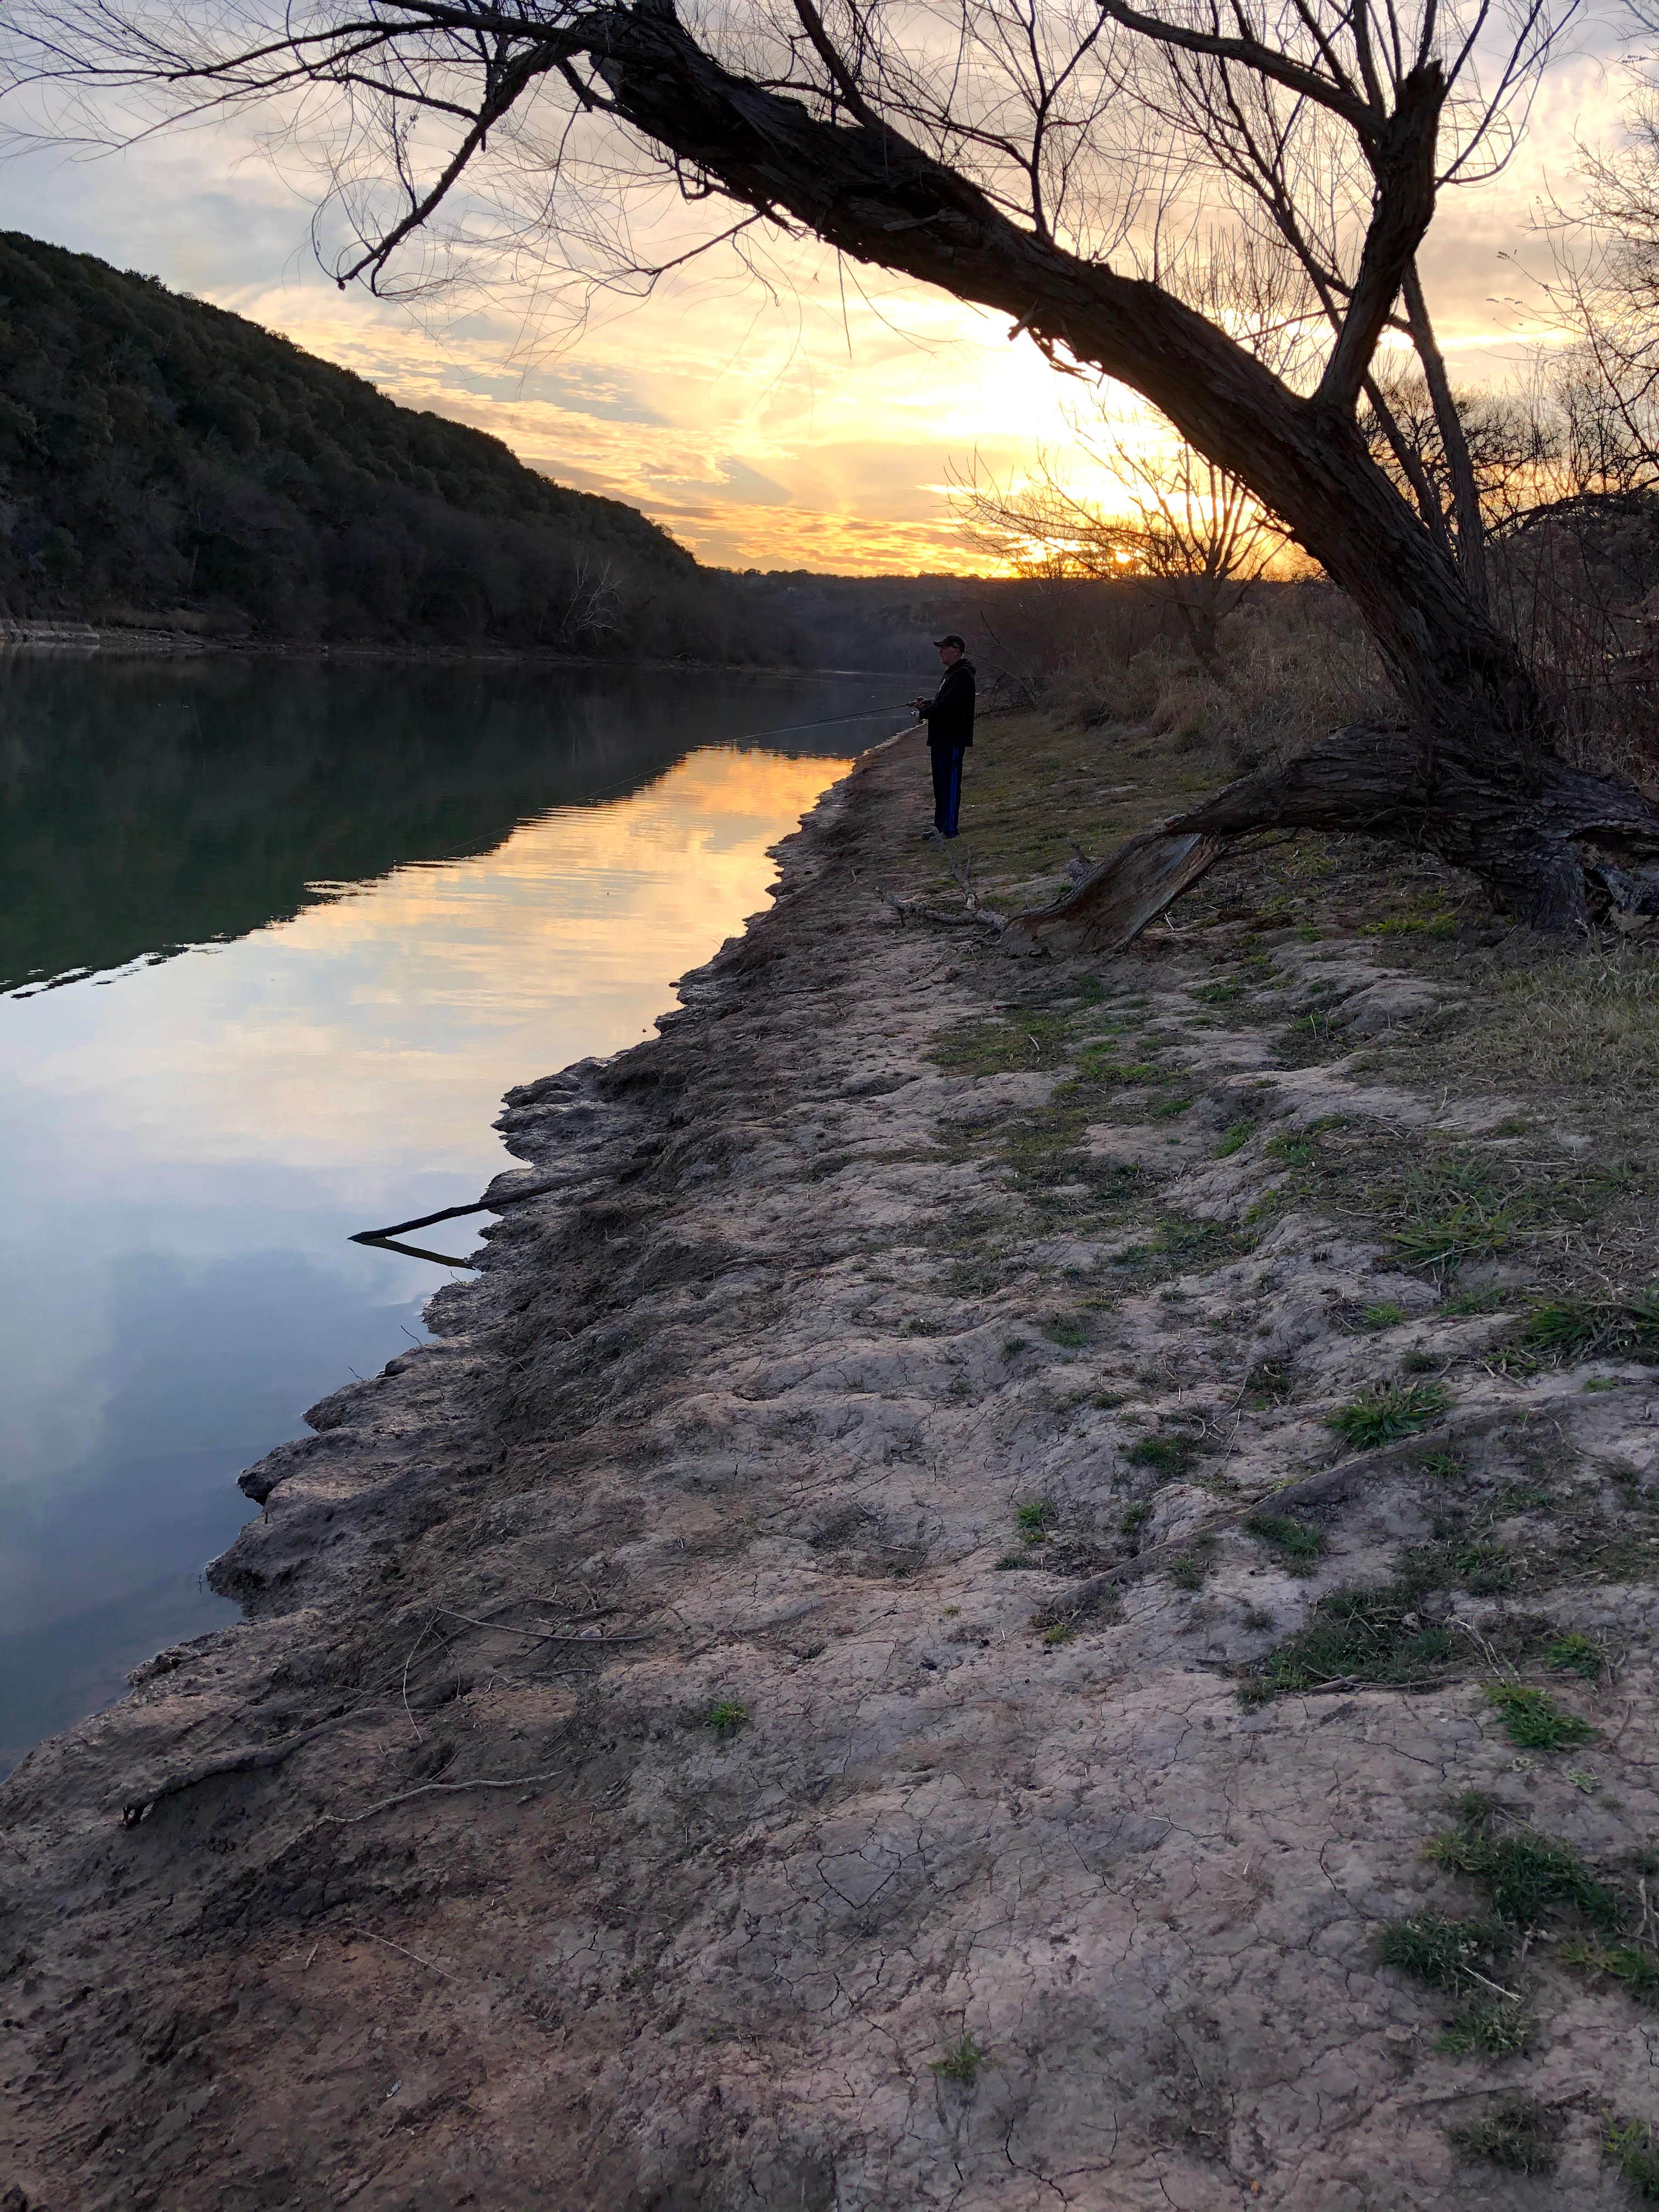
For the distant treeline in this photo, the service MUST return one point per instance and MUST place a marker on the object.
(163, 461)
(1017, 629)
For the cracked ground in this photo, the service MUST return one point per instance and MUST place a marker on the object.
(835, 1680)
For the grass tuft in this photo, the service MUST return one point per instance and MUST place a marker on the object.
(1440, 1952)
(1298, 1543)
(726, 1718)
(1386, 1314)
(1167, 1456)
(1637, 1969)
(1034, 1520)
(1518, 2135)
(1572, 1329)
(1389, 1410)
(1576, 1653)
(1352, 1636)
(960, 2063)
(1525, 1875)
(1492, 2028)
(1532, 1719)
(1628, 2144)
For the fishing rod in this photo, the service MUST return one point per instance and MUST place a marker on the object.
(829, 722)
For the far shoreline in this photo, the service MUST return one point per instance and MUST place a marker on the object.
(121, 642)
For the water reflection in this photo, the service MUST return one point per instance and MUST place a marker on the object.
(146, 805)
(185, 1147)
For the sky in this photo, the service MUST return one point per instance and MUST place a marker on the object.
(816, 422)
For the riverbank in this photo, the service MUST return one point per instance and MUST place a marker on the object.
(799, 1697)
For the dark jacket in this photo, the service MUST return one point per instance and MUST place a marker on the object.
(950, 719)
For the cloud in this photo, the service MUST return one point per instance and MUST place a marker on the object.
(818, 421)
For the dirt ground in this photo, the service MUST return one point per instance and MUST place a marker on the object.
(1022, 1583)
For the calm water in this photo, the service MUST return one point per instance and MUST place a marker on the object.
(274, 937)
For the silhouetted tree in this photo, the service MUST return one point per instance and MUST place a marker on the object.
(1022, 156)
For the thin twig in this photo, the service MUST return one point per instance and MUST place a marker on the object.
(369, 1937)
(544, 1635)
(432, 1788)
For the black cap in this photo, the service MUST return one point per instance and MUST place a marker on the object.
(939, 643)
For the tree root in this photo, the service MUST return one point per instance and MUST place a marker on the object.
(257, 1758)
(1555, 845)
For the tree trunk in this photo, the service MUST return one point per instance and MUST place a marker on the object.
(1573, 843)
(1475, 777)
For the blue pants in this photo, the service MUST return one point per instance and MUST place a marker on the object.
(947, 786)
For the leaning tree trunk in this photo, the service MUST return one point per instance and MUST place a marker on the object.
(1473, 774)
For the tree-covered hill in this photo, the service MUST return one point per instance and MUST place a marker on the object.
(162, 459)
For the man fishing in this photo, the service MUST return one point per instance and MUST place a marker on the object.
(949, 715)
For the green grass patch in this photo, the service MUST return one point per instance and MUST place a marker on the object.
(1102, 1063)
(1526, 1875)
(725, 1719)
(1034, 1520)
(1269, 1382)
(1069, 1331)
(1636, 1970)
(1187, 1572)
(1170, 1456)
(1354, 1636)
(1442, 1952)
(1385, 1314)
(1532, 1719)
(1628, 2145)
(1491, 2027)
(1297, 1544)
(1572, 1329)
(1575, 1653)
(1519, 2135)
(1388, 1411)
(959, 2064)
(1489, 1297)
(1477, 1564)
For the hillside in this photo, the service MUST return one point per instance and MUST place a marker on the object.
(161, 459)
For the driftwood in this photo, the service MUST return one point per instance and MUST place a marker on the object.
(918, 910)
(1113, 900)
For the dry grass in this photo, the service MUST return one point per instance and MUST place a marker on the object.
(1296, 666)
(1590, 1021)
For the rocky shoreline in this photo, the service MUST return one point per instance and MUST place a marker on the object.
(749, 1716)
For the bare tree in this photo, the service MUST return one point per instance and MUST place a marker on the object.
(1019, 156)
(1179, 517)
(1190, 524)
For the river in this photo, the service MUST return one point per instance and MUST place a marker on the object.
(274, 937)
